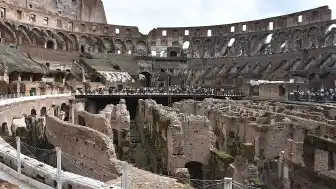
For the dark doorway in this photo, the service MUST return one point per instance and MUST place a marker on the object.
(148, 76)
(195, 169)
(196, 173)
(82, 49)
(282, 90)
(81, 121)
(173, 54)
(50, 45)
(3, 127)
(33, 112)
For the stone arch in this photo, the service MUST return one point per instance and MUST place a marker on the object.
(33, 112)
(84, 43)
(330, 38)
(43, 111)
(297, 33)
(313, 37)
(195, 169)
(330, 28)
(50, 44)
(73, 43)
(119, 46)
(207, 47)
(254, 39)
(95, 45)
(4, 127)
(296, 37)
(7, 33)
(141, 48)
(50, 33)
(62, 41)
(242, 46)
(108, 45)
(65, 109)
(36, 37)
(148, 78)
(196, 49)
(23, 37)
(129, 45)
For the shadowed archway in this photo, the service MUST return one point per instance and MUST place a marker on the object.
(148, 78)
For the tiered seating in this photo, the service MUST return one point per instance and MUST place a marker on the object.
(16, 61)
(126, 63)
(50, 55)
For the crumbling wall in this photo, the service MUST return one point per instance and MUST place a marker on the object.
(198, 138)
(87, 144)
(94, 121)
(186, 137)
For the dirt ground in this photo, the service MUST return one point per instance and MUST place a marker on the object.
(7, 185)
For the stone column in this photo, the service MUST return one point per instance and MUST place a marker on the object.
(72, 112)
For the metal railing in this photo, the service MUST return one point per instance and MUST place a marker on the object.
(105, 93)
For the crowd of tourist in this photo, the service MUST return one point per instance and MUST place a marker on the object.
(183, 90)
(321, 95)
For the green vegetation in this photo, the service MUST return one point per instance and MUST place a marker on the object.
(256, 181)
(225, 157)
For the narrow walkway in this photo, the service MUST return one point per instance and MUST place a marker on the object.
(137, 151)
(7, 177)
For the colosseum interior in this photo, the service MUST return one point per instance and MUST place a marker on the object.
(181, 108)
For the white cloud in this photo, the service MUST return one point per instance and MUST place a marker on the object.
(150, 14)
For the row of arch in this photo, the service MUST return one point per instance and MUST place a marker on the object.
(254, 44)
(64, 110)
(70, 42)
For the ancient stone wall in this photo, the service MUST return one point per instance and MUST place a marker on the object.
(37, 107)
(183, 137)
(95, 121)
(270, 131)
(87, 144)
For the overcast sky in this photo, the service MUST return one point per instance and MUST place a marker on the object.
(148, 14)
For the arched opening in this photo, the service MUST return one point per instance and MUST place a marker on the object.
(65, 112)
(173, 54)
(3, 127)
(186, 45)
(50, 45)
(81, 121)
(48, 65)
(148, 78)
(195, 170)
(82, 49)
(33, 112)
(43, 111)
(282, 90)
